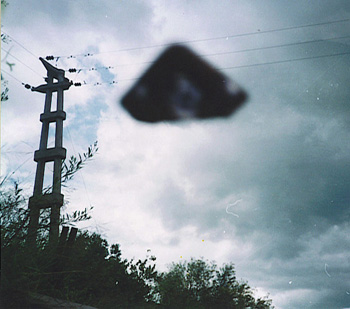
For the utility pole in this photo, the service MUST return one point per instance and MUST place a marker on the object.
(55, 82)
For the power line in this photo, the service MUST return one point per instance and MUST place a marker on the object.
(8, 176)
(79, 84)
(21, 62)
(284, 61)
(269, 31)
(26, 49)
(264, 63)
(276, 46)
(205, 39)
(75, 70)
(234, 67)
(2, 71)
(27, 86)
(221, 69)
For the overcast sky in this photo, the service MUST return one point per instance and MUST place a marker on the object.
(267, 189)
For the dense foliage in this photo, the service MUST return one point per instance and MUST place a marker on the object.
(92, 272)
(199, 284)
(88, 271)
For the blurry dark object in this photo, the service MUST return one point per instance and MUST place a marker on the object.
(181, 85)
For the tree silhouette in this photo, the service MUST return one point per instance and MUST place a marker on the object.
(92, 272)
(199, 284)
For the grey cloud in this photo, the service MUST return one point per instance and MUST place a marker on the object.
(289, 150)
(129, 21)
(285, 154)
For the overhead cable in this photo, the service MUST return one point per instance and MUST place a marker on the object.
(259, 32)
(284, 61)
(264, 63)
(78, 84)
(27, 86)
(8, 52)
(26, 49)
(76, 70)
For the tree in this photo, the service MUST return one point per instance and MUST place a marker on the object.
(199, 284)
(14, 216)
(90, 272)
(95, 274)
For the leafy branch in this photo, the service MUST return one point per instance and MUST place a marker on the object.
(75, 164)
(13, 204)
(76, 216)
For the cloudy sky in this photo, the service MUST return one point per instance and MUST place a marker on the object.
(267, 189)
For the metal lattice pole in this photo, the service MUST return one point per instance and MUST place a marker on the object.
(55, 82)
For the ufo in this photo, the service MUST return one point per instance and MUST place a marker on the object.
(181, 85)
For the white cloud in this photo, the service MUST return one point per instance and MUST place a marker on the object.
(302, 298)
(266, 189)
